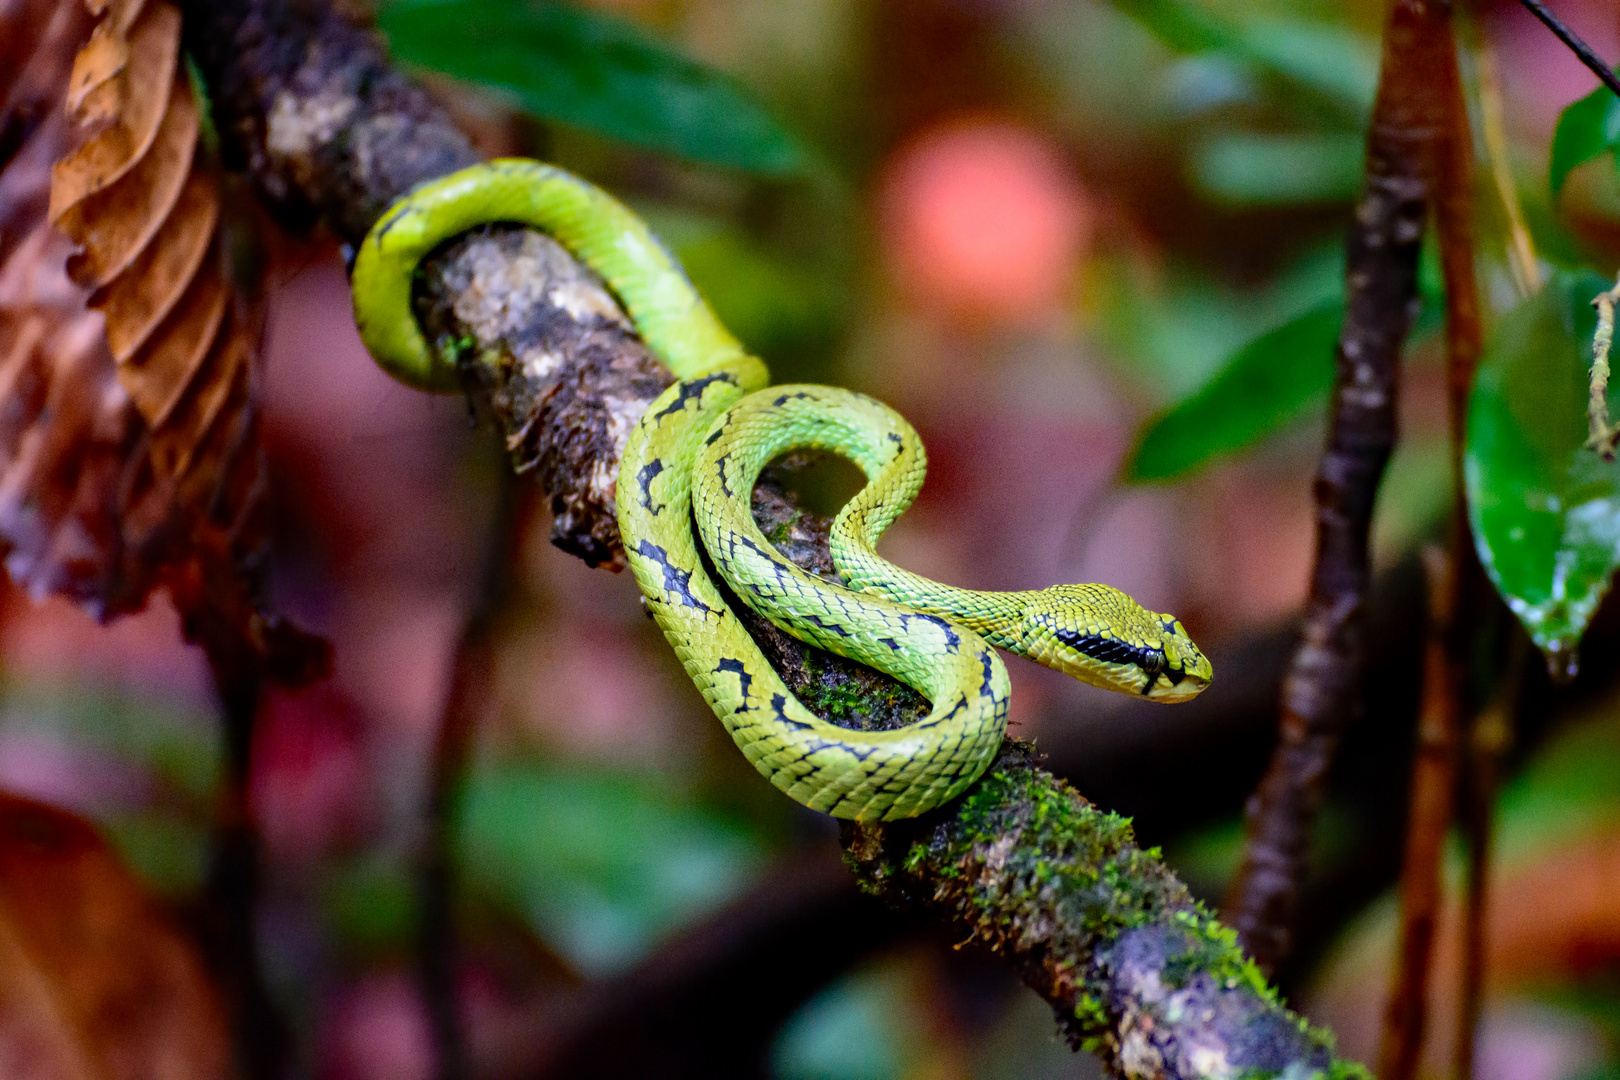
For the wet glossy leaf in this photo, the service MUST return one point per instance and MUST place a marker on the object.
(1545, 511)
(1586, 129)
(592, 71)
(1265, 384)
(93, 980)
(601, 866)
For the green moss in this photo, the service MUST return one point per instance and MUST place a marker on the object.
(455, 349)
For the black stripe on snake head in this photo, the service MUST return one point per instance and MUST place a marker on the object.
(676, 581)
(645, 477)
(692, 390)
(1111, 650)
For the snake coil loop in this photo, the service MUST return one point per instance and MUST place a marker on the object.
(695, 455)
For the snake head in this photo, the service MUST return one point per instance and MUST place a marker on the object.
(1099, 635)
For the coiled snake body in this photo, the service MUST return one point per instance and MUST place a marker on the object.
(695, 455)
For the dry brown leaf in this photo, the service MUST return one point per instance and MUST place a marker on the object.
(116, 477)
(137, 300)
(123, 11)
(115, 224)
(131, 105)
(97, 64)
(160, 373)
(193, 416)
(94, 982)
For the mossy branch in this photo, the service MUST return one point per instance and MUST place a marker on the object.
(1021, 865)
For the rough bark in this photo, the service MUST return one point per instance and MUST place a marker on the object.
(1021, 865)
(1321, 692)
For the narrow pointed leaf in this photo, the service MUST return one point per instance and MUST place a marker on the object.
(1270, 381)
(592, 71)
(1586, 129)
(1545, 511)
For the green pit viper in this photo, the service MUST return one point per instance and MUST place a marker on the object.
(695, 455)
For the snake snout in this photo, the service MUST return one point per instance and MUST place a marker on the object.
(1187, 671)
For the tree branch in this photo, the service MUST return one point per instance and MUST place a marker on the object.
(1021, 865)
(1321, 693)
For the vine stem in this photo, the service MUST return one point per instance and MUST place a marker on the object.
(1603, 435)
(1581, 49)
(1434, 779)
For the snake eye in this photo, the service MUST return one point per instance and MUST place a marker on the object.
(1153, 661)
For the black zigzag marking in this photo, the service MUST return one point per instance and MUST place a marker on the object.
(778, 703)
(745, 681)
(834, 627)
(692, 390)
(676, 580)
(785, 398)
(989, 667)
(952, 640)
(645, 477)
(720, 469)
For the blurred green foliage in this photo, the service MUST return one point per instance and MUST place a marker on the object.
(777, 308)
(1266, 383)
(144, 770)
(1545, 511)
(1587, 129)
(587, 69)
(1281, 374)
(600, 866)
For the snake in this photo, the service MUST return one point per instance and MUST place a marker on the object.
(686, 477)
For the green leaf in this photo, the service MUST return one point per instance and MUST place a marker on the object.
(1545, 511)
(1337, 64)
(1586, 129)
(592, 71)
(1268, 382)
(601, 866)
(778, 308)
(1280, 170)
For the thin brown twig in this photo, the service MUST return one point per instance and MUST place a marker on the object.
(1435, 763)
(247, 653)
(1434, 778)
(437, 941)
(1581, 49)
(1486, 742)
(1322, 690)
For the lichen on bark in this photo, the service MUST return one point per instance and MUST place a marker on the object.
(1135, 969)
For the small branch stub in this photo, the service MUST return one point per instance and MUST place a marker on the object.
(1604, 435)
